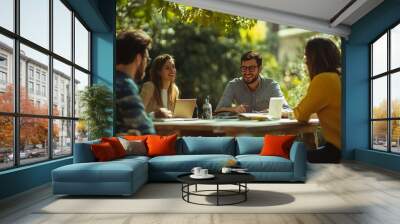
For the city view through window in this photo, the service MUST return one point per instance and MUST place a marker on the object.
(39, 124)
(385, 93)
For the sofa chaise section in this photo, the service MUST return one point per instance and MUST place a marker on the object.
(87, 177)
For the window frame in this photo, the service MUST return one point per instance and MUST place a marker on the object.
(16, 114)
(388, 74)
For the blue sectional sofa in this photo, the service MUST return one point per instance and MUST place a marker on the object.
(125, 176)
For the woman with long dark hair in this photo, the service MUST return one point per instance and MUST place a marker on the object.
(160, 91)
(323, 97)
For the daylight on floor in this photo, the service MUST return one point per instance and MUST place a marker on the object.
(187, 111)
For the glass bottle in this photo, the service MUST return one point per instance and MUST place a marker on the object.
(207, 109)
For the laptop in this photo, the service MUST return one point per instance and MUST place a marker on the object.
(184, 108)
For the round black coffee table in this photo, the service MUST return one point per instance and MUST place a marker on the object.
(238, 179)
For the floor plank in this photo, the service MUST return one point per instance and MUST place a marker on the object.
(377, 190)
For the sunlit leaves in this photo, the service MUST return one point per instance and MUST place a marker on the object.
(139, 14)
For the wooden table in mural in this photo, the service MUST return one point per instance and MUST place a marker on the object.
(234, 127)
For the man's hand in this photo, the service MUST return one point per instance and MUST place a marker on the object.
(163, 113)
(240, 109)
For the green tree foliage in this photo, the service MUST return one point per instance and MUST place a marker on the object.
(141, 13)
(208, 45)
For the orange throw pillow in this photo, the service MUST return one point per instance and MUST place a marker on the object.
(135, 137)
(161, 145)
(277, 145)
(103, 152)
(116, 145)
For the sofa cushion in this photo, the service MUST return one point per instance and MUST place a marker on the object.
(135, 137)
(257, 163)
(116, 145)
(134, 147)
(112, 171)
(207, 145)
(277, 145)
(103, 152)
(161, 145)
(249, 145)
(185, 163)
(133, 157)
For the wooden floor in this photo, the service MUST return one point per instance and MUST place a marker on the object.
(377, 188)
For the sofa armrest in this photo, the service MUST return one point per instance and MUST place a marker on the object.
(298, 155)
(83, 152)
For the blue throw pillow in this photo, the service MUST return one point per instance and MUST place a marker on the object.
(249, 145)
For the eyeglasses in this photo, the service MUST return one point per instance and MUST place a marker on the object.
(251, 68)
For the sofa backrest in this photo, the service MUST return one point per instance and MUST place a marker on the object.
(206, 145)
(190, 146)
(83, 152)
(249, 145)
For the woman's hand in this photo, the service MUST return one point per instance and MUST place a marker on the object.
(163, 113)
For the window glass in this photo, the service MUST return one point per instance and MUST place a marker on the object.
(395, 47)
(62, 29)
(34, 21)
(62, 91)
(7, 14)
(81, 131)
(395, 138)
(39, 62)
(379, 98)
(33, 140)
(6, 142)
(379, 56)
(81, 81)
(6, 74)
(379, 135)
(62, 138)
(395, 95)
(81, 45)
(34, 80)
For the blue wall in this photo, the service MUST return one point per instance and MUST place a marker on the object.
(356, 84)
(103, 60)
(99, 16)
(24, 178)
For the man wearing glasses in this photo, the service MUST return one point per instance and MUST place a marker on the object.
(251, 92)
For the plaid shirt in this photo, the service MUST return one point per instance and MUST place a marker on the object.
(130, 114)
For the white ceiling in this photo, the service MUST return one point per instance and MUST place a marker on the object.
(315, 15)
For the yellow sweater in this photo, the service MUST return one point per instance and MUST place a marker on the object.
(324, 98)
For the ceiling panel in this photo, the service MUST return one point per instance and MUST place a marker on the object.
(314, 15)
(320, 9)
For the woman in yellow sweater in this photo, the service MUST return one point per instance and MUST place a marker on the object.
(323, 97)
(161, 91)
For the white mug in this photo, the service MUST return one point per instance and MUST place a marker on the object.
(275, 107)
(203, 172)
(196, 170)
(226, 170)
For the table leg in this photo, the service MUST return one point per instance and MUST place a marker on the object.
(309, 140)
(217, 194)
(245, 192)
(188, 192)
